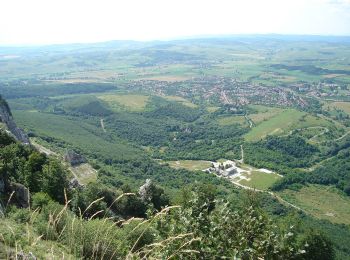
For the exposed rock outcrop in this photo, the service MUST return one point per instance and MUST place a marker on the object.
(75, 184)
(145, 191)
(2, 185)
(74, 158)
(21, 194)
(23, 256)
(6, 117)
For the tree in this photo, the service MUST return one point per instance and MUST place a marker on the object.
(34, 174)
(55, 180)
(319, 247)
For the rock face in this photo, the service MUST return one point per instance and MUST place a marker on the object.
(2, 185)
(6, 117)
(145, 191)
(74, 184)
(23, 256)
(21, 194)
(74, 158)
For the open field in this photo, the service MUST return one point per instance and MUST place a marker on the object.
(84, 173)
(263, 113)
(259, 180)
(322, 202)
(168, 78)
(275, 125)
(212, 109)
(190, 165)
(286, 121)
(230, 120)
(180, 100)
(345, 106)
(129, 102)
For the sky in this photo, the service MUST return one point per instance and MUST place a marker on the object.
(28, 22)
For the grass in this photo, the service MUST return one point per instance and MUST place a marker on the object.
(275, 125)
(22, 237)
(230, 120)
(89, 138)
(322, 202)
(190, 165)
(284, 122)
(345, 106)
(212, 109)
(168, 78)
(259, 180)
(181, 100)
(264, 113)
(84, 173)
(130, 102)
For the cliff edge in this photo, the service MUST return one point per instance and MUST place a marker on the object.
(6, 118)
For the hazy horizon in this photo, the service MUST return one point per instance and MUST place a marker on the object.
(40, 22)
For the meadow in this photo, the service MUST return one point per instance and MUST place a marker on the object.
(259, 180)
(278, 124)
(321, 202)
(190, 165)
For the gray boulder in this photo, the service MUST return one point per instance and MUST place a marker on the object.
(74, 158)
(21, 194)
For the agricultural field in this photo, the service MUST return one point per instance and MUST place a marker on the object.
(278, 124)
(230, 120)
(180, 100)
(133, 102)
(263, 113)
(283, 122)
(322, 202)
(345, 106)
(190, 165)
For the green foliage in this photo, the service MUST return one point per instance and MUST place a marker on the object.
(335, 171)
(34, 171)
(318, 247)
(174, 110)
(171, 131)
(5, 139)
(55, 180)
(281, 153)
(54, 89)
(25, 165)
(199, 233)
(202, 228)
(40, 200)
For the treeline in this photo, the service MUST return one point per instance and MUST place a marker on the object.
(282, 154)
(53, 89)
(335, 171)
(174, 110)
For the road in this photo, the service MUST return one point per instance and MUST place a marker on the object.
(103, 125)
(282, 201)
(338, 139)
(242, 155)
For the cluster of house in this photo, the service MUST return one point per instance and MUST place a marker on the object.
(227, 169)
(227, 90)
